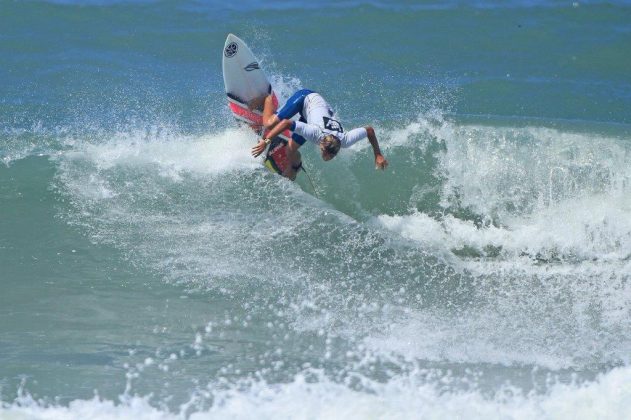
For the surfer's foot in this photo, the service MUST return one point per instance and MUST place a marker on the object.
(257, 103)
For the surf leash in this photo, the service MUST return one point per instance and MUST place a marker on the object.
(310, 181)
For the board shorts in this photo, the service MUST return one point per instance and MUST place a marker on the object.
(293, 106)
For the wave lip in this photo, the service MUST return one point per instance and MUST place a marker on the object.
(517, 191)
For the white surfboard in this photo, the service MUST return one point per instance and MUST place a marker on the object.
(243, 77)
(244, 81)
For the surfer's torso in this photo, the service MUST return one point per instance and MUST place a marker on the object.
(317, 119)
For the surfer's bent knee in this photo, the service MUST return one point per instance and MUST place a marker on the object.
(271, 122)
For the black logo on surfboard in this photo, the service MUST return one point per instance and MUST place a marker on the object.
(231, 49)
(252, 66)
(333, 125)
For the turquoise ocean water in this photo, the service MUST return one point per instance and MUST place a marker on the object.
(151, 269)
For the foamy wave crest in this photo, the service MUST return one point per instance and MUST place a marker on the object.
(311, 396)
(513, 192)
(538, 219)
(27, 408)
(503, 172)
(171, 153)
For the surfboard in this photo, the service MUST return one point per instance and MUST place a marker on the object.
(245, 81)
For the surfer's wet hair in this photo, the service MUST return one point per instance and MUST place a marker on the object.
(331, 144)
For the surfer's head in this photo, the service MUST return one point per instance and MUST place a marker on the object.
(329, 146)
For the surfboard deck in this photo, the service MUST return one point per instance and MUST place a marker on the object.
(245, 81)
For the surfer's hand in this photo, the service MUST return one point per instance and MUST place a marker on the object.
(380, 162)
(259, 148)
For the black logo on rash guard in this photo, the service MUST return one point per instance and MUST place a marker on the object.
(231, 49)
(333, 125)
(252, 66)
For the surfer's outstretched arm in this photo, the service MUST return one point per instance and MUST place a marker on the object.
(380, 161)
(358, 134)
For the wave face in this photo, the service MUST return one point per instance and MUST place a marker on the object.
(152, 269)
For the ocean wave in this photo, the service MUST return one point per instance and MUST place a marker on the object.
(311, 396)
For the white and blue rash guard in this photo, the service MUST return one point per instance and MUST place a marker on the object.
(320, 123)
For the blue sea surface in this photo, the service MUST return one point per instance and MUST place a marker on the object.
(150, 268)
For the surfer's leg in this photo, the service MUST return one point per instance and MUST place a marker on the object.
(294, 159)
(294, 104)
(270, 119)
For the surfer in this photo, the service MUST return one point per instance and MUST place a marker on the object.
(316, 124)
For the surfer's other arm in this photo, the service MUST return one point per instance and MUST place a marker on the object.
(349, 138)
(380, 161)
(279, 128)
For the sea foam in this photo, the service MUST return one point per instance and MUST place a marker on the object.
(608, 397)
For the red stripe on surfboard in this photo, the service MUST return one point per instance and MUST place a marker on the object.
(246, 113)
(253, 114)
(251, 117)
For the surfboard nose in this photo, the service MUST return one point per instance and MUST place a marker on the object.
(232, 38)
